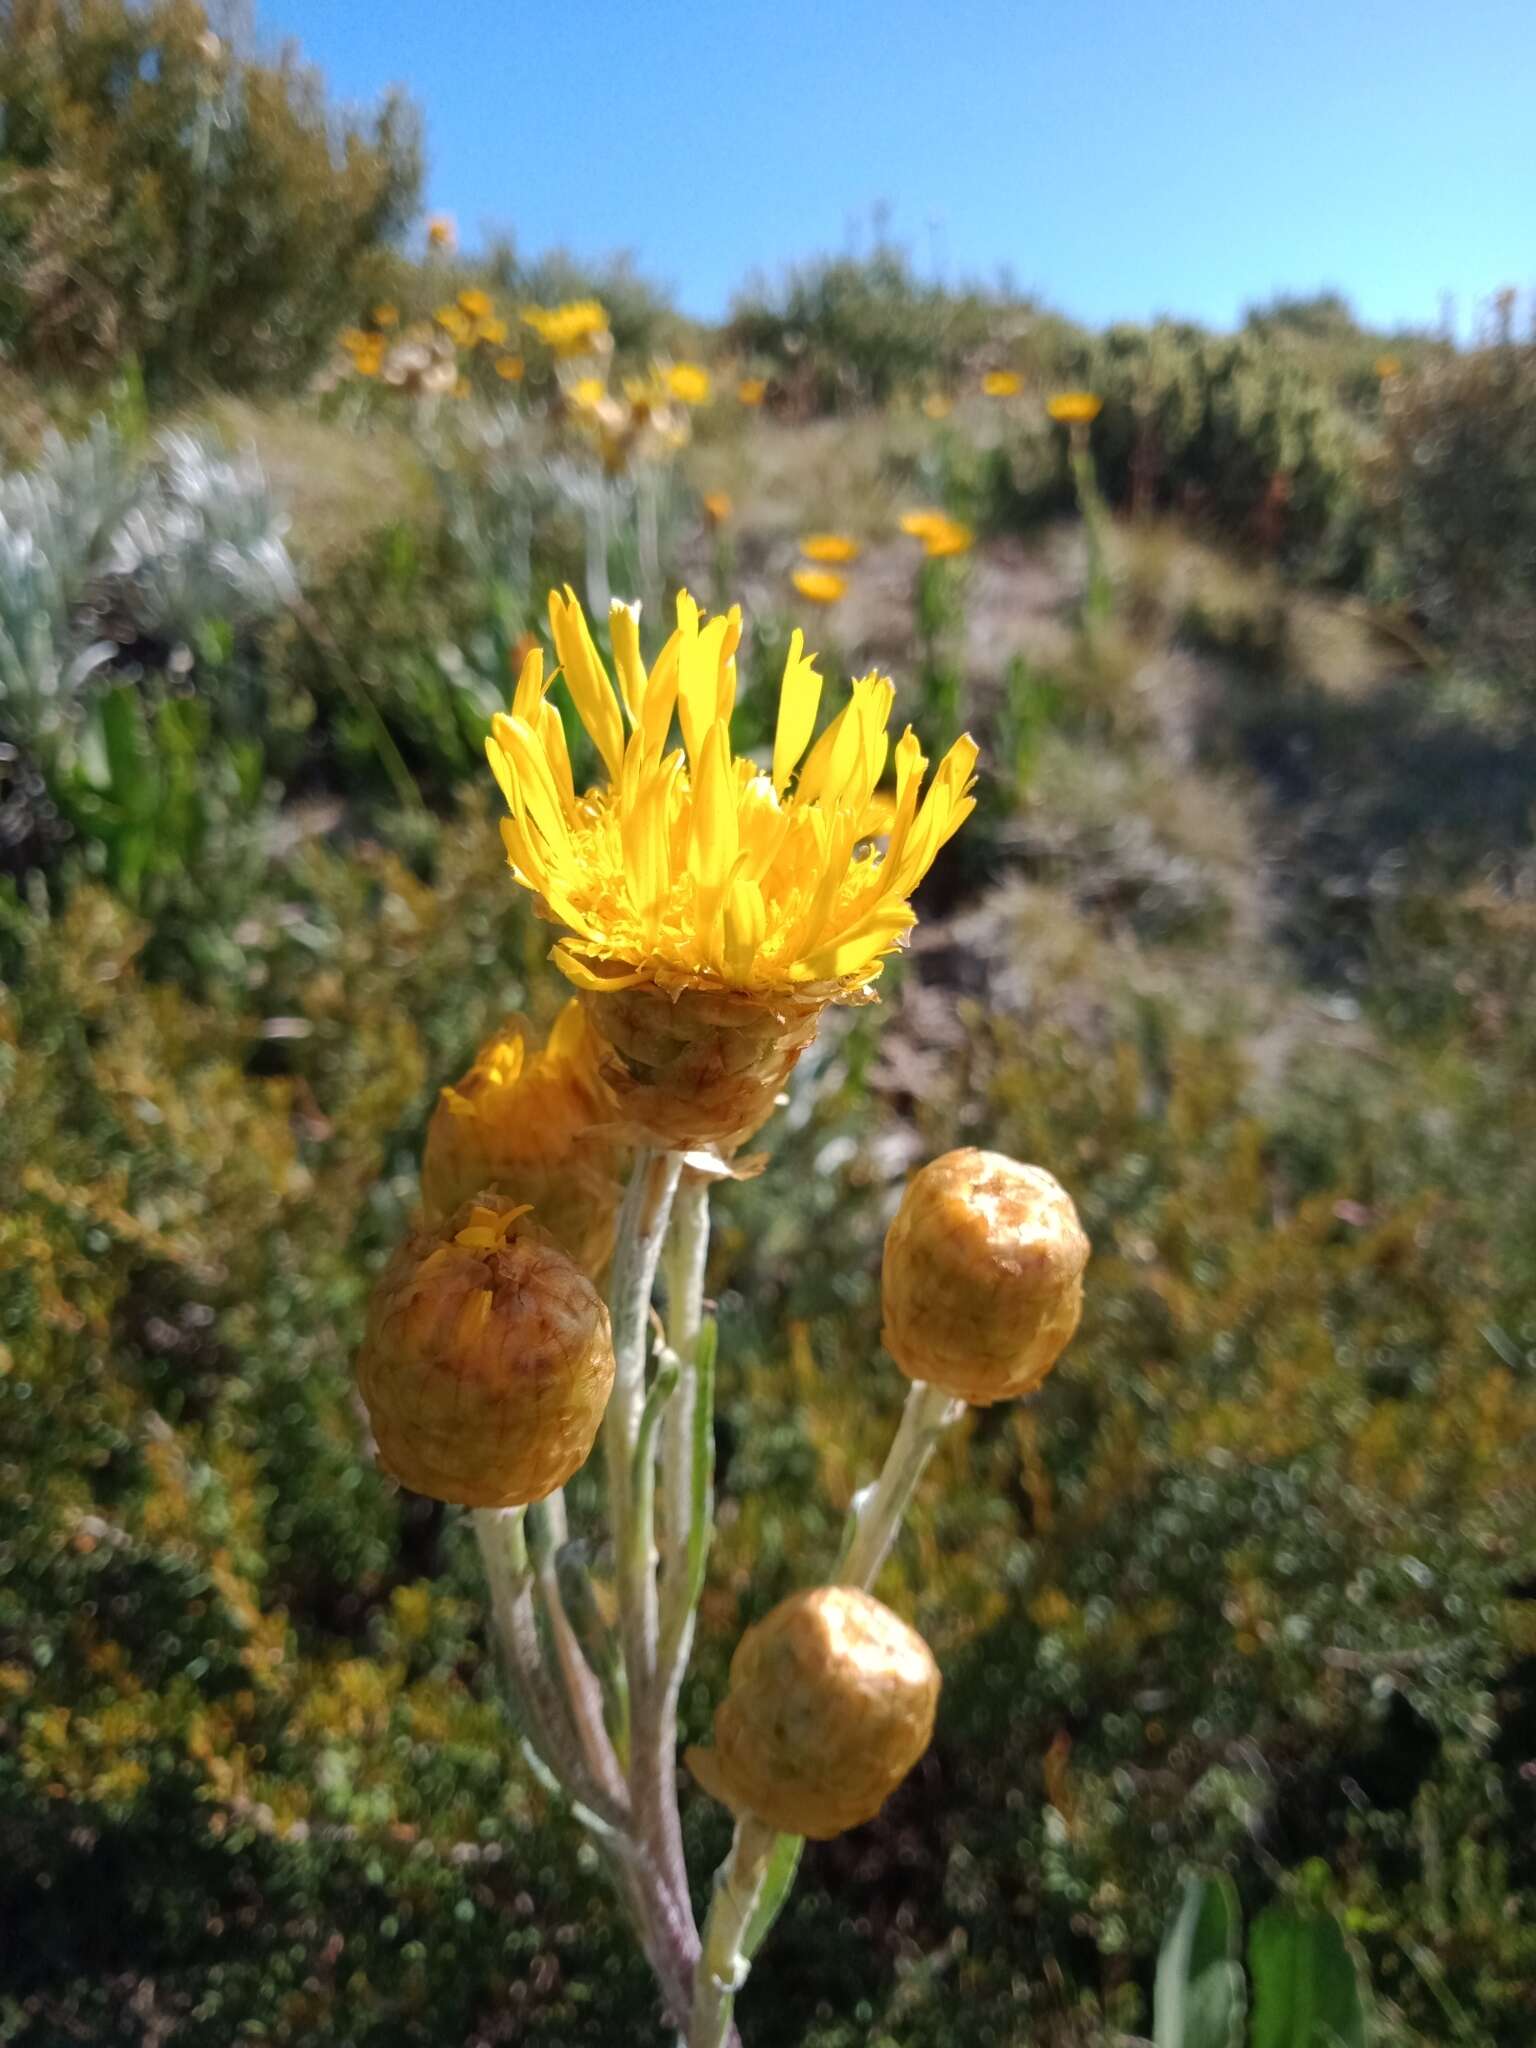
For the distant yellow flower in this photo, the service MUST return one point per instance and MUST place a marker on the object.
(441, 233)
(588, 393)
(921, 524)
(1074, 408)
(937, 406)
(689, 383)
(752, 390)
(491, 331)
(830, 547)
(1002, 383)
(1387, 367)
(820, 586)
(694, 866)
(573, 329)
(718, 507)
(355, 340)
(952, 537)
(386, 316)
(476, 303)
(510, 367)
(456, 324)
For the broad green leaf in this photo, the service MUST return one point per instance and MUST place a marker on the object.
(1308, 1990)
(1198, 1999)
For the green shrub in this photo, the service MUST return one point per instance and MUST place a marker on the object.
(163, 196)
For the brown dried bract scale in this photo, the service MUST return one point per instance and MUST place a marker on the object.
(982, 1279)
(487, 1362)
(699, 1067)
(831, 1703)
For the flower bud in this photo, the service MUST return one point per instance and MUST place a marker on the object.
(537, 1126)
(699, 1067)
(982, 1281)
(831, 1703)
(487, 1360)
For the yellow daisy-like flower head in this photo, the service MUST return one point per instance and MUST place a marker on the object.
(441, 233)
(718, 507)
(820, 586)
(1074, 408)
(752, 390)
(456, 324)
(580, 327)
(1387, 367)
(830, 548)
(712, 905)
(386, 316)
(476, 303)
(943, 542)
(510, 369)
(688, 383)
(1002, 384)
(534, 1123)
(491, 330)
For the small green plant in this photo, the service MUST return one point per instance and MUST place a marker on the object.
(1305, 1986)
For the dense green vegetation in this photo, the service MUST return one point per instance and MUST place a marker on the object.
(1238, 945)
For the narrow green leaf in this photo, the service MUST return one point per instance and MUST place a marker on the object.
(778, 1882)
(1198, 1999)
(1308, 1988)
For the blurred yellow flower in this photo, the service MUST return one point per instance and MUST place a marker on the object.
(921, 524)
(573, 329)
(510, 367)
(588, 393)
(693, 867)
(441, 233)
(752, 390)
(689, 383)
(386, 315)
(953, 537)
(820, 586)
(355, 340)
(1074, 408)
(476, 303)
(491, 331)
(1002, 383)
(937, 406)
(717, 507)
(456, 324)
(1387, 367)
(830, 547)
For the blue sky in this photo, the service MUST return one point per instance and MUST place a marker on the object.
(1119, 157)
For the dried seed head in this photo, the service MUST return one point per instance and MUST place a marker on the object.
(487, 1361)
(692, 1066)
(536, 1125)
(982, 1281)
(831, 1703)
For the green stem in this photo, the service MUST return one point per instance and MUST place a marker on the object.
(878, 1511)
(724, 1960)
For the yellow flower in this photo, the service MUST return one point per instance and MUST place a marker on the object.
(952, 537)
(718, 507)
(386, 316)
(1387, 367)
(491, 330)
(689, 383)
(456, 324)
(830, 547)
(820, 586)
(574, 329)
(752, 390)
(712, 906)
(529, 1122)
(937, 406)
(356, 341)
(923, 524)
(587, 393)
(1002, 384)
(510, 367)
(1074, 408)
(476, 303)
(441, 233)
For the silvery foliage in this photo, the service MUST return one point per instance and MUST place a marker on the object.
(56, 522)
(204, 541)
(193, 536)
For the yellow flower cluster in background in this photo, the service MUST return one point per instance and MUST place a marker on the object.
(579, 327)
(940, 535)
